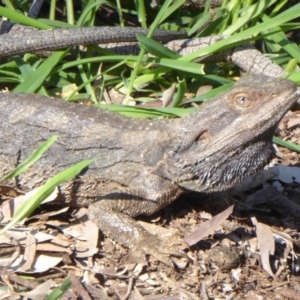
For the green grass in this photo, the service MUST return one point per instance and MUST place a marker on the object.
(59, 291)
(242, 20)
(34, 157)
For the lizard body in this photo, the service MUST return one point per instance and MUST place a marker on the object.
(143, 165)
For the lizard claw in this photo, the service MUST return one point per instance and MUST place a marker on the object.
(162, 248)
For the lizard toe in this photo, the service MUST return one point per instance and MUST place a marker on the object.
(162, 248)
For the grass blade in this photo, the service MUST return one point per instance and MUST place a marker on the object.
(44, 191)
(286, 144)
(31, 159)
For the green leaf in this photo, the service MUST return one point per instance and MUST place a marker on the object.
(185, 66)
(281, 40)
(239, 38)
(59, 291)
(36, 80)
(295, 76)
(247, 14)
(35, 156)
(292, 146)
(181, 89)
(155, 48)
(21, 19)
(44, 191)
(138, 112)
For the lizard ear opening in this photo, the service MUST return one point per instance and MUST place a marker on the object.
(203, 137)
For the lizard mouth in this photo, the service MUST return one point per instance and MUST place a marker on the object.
(282, 108)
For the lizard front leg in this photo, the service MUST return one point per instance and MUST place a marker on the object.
(127, 232)
(113, 203)
(114, 212)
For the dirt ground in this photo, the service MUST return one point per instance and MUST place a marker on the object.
(244, 244)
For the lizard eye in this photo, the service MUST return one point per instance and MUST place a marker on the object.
(242, 100)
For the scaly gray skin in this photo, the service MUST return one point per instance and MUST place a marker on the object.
(198, 4)
(202, 3)
(143, 165)
(26, 39)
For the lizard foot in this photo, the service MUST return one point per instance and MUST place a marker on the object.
(161, 247)
(129, 233)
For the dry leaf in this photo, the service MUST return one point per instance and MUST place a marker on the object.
(266, 244)
(208, 227)
(168, 95)
(42, 263)
(8, 208)
(29, 253)
(39, 292)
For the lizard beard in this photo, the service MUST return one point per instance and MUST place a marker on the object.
(227, 168)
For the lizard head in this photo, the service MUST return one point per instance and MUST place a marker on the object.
(230, 137)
